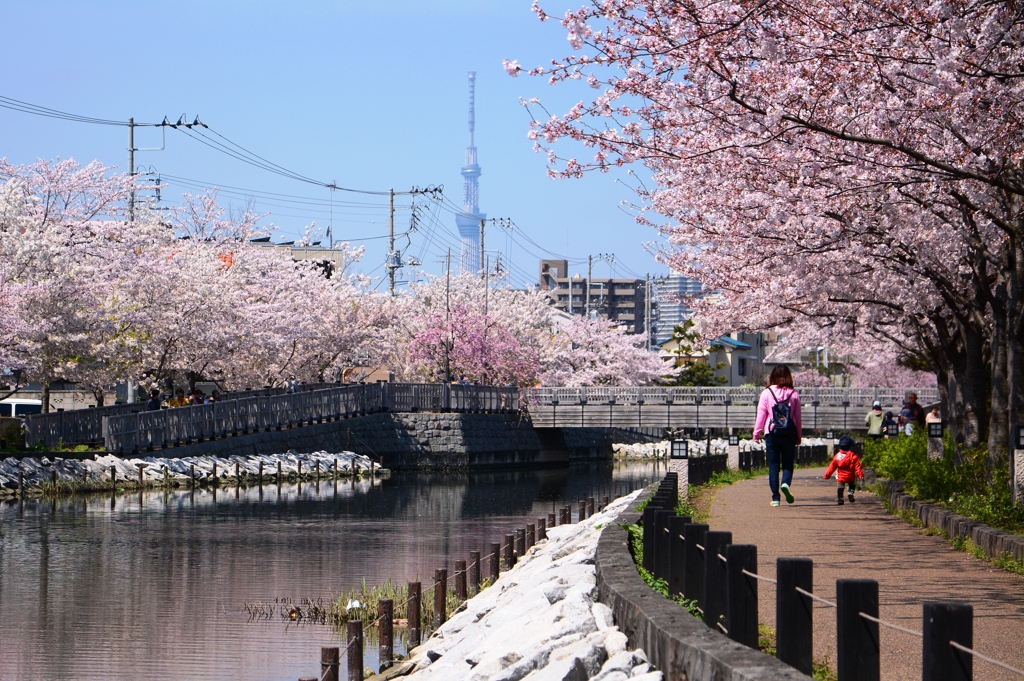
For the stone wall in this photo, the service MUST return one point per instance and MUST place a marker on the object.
(419, 441)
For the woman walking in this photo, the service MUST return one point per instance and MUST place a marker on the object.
(778, 421)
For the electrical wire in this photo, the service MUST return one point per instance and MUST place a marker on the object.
(36, 110)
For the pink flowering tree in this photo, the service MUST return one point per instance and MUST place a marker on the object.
(852, 179)
(594, 352)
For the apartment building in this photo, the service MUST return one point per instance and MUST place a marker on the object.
(617, 299)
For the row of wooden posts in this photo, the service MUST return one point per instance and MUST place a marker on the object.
(705, 566)
(467, 577)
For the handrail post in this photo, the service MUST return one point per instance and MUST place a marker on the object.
(857, 649)
(794, 613)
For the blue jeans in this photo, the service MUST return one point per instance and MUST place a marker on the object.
(781, 450)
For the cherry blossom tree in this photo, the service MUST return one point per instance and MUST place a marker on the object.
(595, 352)
(849, 173)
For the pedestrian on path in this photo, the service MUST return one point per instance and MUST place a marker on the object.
(778, 421)
(874, 421)
(846, 465)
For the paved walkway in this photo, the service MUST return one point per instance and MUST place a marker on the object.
(863, 541)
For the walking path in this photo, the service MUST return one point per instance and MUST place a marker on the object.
(863, 541)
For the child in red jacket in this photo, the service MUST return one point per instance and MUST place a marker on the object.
(846, 465)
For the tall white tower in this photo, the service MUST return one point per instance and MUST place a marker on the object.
(469, 221)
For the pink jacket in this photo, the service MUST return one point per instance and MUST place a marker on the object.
(763, 425)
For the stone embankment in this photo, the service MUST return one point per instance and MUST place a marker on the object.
(106, 471)
(540, 621)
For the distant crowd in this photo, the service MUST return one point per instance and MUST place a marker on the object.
(912, 415)
(196, 396)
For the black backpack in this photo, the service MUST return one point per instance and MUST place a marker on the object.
(781, 418)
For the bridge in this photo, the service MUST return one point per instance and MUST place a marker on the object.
(704, 407)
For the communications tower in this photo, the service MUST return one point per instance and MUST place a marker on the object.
(469, 221)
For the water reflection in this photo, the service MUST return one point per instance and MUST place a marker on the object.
(151, 585)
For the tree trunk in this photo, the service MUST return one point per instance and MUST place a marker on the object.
(45, 397)
(98, 394)
(1015, 337)
(972, 386)
(999, 424)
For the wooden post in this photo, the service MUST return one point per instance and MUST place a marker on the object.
(661, 543)
(495, 562)
(945, 622)
(300, 470)
(440, 597)
(385, 622)
(474, 571)
(113, 474)
(335, 468)
(140, 466)
(53, 475)
(507, 557)
(279, 472)
(21, 483)
(412, 615)
(677, 553)
(590, 506)
(461, 592)
(583, 512)
(551, 520)
(261, 473)
(330, 664)
(693, 576)
(649, 537)
(741, 611)
(794, 613)
(604, 502)
(857, 654)
(354, 650)
(531, 535)
(238, 473)
(214, 472)
(520, 543)
(715, 579)
(542, 529)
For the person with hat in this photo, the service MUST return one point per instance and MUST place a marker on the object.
(874, 421)
(846, 465)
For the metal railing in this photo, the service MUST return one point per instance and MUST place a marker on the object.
(148, 430)
(742, 396)
(81, 426)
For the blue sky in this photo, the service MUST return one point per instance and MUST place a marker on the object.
(367, 95)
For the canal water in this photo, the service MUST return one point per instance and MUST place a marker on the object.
(154, 586)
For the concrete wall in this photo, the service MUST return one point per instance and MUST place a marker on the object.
(425, 441)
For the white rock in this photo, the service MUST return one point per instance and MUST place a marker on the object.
(603, 616)
(615, 642)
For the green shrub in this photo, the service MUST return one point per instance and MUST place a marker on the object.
(967, 481)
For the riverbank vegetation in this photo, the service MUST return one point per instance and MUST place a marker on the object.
(967, 481)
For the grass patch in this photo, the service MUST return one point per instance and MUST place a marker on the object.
(1004, 562)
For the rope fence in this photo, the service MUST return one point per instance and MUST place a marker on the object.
(725, 593)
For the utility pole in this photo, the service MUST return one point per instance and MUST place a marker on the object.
(392, 265)
(487, 289)
(482, 243)
(131, 169)
(447, 313)
(586, 286)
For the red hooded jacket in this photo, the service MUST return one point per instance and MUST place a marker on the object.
(846, 465)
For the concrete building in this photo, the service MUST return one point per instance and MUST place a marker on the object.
(669, 307)
(618, 300)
